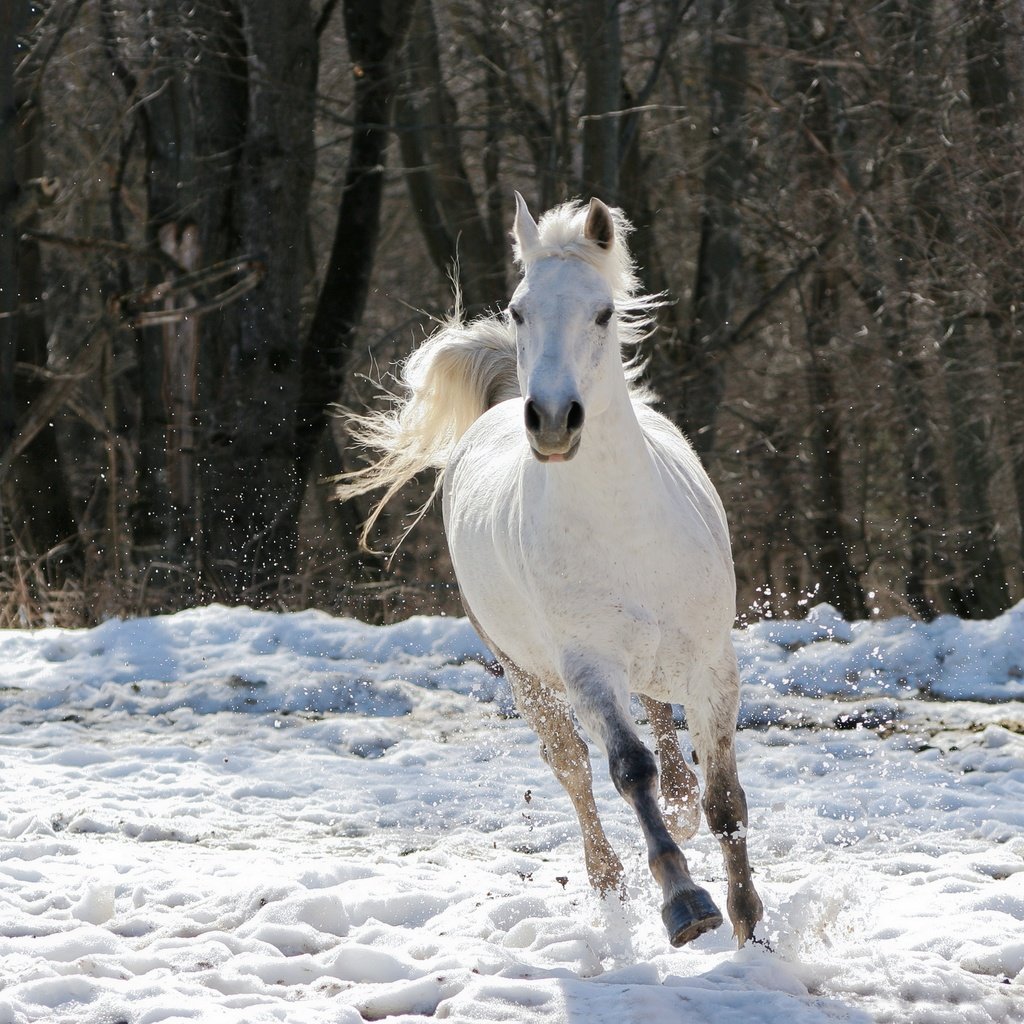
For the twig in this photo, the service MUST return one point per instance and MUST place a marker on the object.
(104, 245)
(795, 56)
(35, 62)
(816, 252)
(253, 270)
(43, 409)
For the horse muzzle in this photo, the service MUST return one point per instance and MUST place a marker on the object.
(553, 428)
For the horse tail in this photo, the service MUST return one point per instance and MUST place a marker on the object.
(451, 380)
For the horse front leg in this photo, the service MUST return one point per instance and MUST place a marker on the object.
(688, 909)
(711, 718)
(568, 756)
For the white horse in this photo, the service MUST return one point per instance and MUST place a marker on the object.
(591, 549)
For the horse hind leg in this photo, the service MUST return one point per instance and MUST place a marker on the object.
(568, 756)
(712, 724)
(725, 806)
(680, 791)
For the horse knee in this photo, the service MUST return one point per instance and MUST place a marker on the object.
(725, 808)
(566, 755)
(633, 769)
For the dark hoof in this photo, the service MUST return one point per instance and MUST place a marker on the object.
(688, 914)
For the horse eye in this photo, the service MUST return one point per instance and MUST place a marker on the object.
(604, 316)
(517, 317)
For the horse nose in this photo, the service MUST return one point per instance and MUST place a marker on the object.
(553, 426)
(561, 418)
(574, 418)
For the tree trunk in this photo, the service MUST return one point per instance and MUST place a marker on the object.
(190, 105)
(831, 561)
(168, 130)
(981, 578)
(635, 179)
(928, 581)
(375, 36)
(602, 73)
(720, 256)
(440, 189)
(986, 594)
(831, 558)
(11, 21)
(249, 479)
(635, 200)
(220, 88)
(992, 93)
(37, 497)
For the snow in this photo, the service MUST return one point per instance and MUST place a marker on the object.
(227, 815)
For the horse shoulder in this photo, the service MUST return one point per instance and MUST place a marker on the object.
(682, 471)
(481, 481)
(487, 455)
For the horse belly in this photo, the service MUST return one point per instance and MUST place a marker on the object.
(667, 615)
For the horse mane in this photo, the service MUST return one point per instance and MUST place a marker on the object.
(467, 366)
(462, 370)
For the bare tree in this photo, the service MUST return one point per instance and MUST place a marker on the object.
(458, 232)
(224, 100)
(601, 54)
(828, 194)
(10, 25)
(992, 89)
(808, 27)
(375, 36)
(719, 274)
(33, 487)
(981, 577)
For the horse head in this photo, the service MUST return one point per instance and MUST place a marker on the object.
(564, 314)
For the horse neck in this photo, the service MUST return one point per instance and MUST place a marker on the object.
(613, 447)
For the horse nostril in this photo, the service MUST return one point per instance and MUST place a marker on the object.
(531, 415)
(574, 419)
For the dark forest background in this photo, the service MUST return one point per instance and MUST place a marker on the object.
(221, 217)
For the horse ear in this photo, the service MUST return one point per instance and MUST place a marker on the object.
(600, 227)
(525, 229)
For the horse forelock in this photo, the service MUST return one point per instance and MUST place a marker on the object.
(562, 236)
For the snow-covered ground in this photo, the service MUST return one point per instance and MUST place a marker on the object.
(234, 816)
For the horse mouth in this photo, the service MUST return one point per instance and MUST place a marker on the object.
(565, 456)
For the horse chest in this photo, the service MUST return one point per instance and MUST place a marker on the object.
(545, 570)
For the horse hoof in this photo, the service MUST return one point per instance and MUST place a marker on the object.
(688, 914)
(745, 911)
